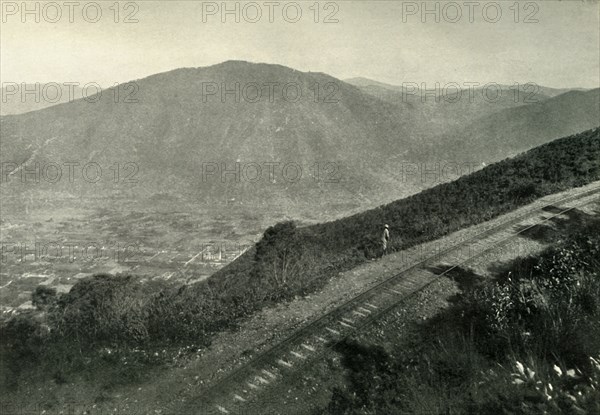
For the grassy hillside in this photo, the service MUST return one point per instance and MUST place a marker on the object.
(499, 188)
(117, 312)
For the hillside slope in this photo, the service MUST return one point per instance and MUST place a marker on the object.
(185, 136)
(121, 312)
(492, 124)
(513, 130)
(176, 127)
(290, 261)
(558, 165)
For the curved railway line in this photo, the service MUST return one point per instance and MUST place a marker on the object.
(234, 392)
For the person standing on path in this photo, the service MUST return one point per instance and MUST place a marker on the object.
(385, 238)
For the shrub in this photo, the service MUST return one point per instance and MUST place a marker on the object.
(103, 309)
(43, 297)
(277, 259)
(536, 388)
(22, 343)
(24, 335)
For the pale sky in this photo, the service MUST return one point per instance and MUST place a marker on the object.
(373, 39)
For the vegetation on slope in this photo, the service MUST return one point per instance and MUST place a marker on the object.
(120, 313)
(290, 261)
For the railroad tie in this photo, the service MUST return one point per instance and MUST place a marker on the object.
(358, 313)
(252, 385)
(307, 347)
(332, 331)
(343, 323)
(371, 305)
(262, 380)
(238, 398)
(222, 410)
(284, 363)
(298, 355)
(269, 374)
(418, 278)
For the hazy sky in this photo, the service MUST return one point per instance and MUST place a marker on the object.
(375, 39)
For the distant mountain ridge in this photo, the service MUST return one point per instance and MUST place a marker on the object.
(179, 125)
(491, 128)
(543, 90)
(513, 130)
(214, 133)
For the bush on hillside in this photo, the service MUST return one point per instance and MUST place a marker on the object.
(276, 259)
(103, 309)
(43, 297)
(552, 305)
(179, 314)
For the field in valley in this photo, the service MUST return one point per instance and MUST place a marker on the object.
(58, 242)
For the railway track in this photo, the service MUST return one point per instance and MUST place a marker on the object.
(235, 392)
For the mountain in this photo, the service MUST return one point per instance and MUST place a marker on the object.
(448, 108)
(366, 82)
(537, 90)
(513, 130)
(238, 132)
(487, 128)
(339, 136)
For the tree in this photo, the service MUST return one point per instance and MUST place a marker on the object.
(43, 297)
